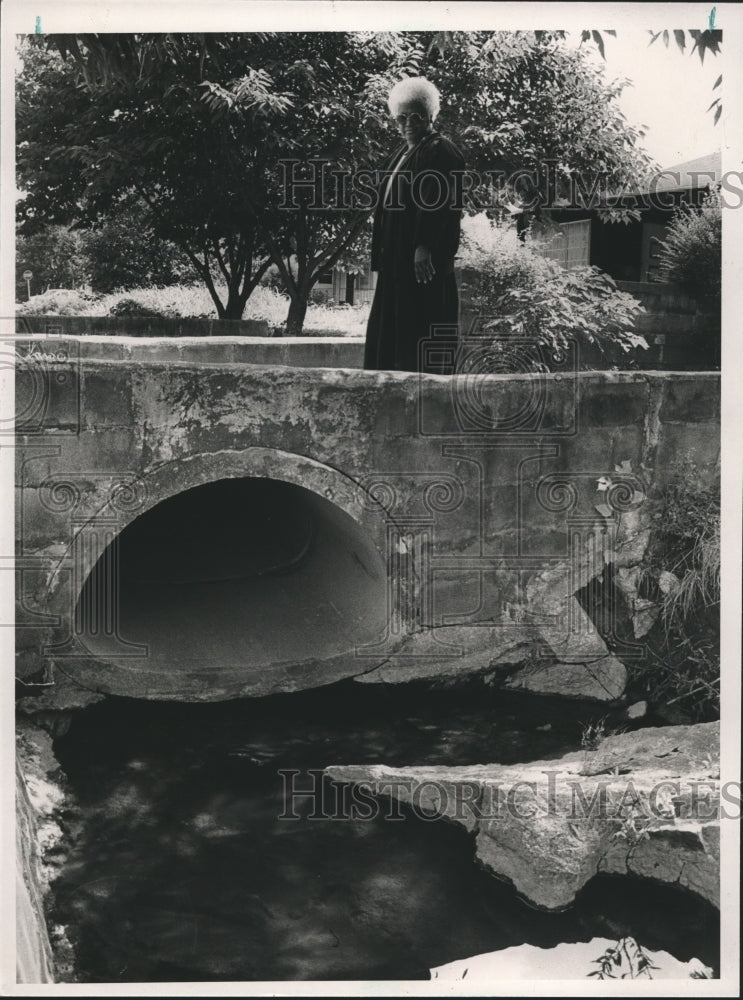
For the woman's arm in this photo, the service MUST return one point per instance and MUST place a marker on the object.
(434, 196)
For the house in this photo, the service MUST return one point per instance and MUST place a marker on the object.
(344, 287)
(628, 251)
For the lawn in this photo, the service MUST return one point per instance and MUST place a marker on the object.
(194, 300)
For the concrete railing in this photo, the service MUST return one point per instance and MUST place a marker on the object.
(141, 326)
(294, 352)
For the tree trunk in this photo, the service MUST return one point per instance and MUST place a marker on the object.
(295, 318)
(235, 306)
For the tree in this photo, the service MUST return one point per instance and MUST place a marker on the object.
(57, 257)
(526, 102)
(198, 127)
(138, 126)
(124, 252)
(704, 41)
(325, 130)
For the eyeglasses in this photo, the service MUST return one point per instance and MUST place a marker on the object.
(413, 117)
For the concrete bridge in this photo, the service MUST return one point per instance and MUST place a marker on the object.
(191, 525)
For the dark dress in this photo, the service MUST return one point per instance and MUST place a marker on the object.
(406, 315)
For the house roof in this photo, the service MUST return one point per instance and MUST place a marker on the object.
(689, 175)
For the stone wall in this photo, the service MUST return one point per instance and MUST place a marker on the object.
(683, 334)
(478, 495)
(140, 326)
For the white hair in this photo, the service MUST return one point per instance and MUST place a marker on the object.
(415, 89)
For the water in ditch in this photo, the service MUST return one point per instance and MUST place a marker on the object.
(182, 870)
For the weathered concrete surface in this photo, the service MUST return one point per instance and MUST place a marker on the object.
(476, 495)
(39, 799)
(297, 352)
(631, 806)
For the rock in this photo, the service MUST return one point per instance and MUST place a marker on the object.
(636, 711)
(40, 843)
(644, 612)
(34, 957)
(644, 617)
(585, 668)
(645, 803)
(63, 695)
(602, 681)
(565, 961)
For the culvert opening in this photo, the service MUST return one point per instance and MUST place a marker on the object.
(232, 578)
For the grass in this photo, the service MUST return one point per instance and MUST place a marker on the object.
(194, 301)
(682, 575)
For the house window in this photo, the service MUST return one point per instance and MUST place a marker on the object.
(571, 247)
(326, 278)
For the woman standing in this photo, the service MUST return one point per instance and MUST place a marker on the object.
(415, 238)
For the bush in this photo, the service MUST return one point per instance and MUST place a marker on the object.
(691, 254)
(322, 297)
(682, 575)
(273, 279)
(131, 307)
(58, 302)
(526, 295)
(125, 253)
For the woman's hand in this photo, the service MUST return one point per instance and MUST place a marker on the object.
(424, 269)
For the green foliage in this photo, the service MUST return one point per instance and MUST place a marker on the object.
(131, 307)
(709, 40)
(57, 257)
(682, 574)
(194, 301)
(624, 960)
(59, 302)
(124, 252)
(593, 734)
(196, 125)
(523, 294)
(518, 100)
(691, 254)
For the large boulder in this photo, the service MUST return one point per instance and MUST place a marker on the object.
(574, 960)
(645, 803)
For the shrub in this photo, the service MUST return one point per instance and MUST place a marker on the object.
(273, 279)
(125, 253)
(682, 574)
(691, 254)
(526, 295)
(133, 307)
(59, 302)
(322, 297)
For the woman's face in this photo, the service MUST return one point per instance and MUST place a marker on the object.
(412, 121)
